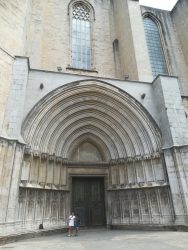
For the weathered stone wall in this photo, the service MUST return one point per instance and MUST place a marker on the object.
(14, 19)
(43, 171)
(141, 206)
(172, 48)
(11, 155)
(123, 33)
(53, 80)
(145, 171)
(132, 44)
(179, 16)
(36, 206)
(173, 124)
(6, 62)
(139, 193)
(49, 37)
(13, 116)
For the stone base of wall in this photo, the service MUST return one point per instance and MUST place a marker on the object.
(146, 227)
(51, 231)
(30, 234)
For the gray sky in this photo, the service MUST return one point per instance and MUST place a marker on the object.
(161, 4)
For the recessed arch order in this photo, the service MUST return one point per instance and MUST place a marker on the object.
(93, 110)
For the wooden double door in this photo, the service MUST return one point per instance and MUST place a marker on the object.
(88, 200)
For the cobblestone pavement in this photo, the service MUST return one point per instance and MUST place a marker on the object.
(106, 240)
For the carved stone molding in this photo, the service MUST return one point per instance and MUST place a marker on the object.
(10, 142)
(138, 158)
(135, 158)
(121, 161)
(27, 150)
(146, 157)
(2, 142)
(64, 161)
(44, 156)
(181, 148)
(139, 185)
(59, 159)
(113, 162)
(42, 185)
(52, 157)
(184, 149)
(36, 154)
(156, 155)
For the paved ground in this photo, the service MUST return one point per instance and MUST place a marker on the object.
(107, 240)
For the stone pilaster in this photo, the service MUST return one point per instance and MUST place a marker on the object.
(15, 104)
(11, 157)
(174, 128)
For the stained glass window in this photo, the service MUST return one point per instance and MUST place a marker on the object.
(81, 41)
(156, 54)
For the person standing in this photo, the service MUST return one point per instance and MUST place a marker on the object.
(77, 224)
(71, 222)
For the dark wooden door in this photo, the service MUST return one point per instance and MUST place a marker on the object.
(88, 200)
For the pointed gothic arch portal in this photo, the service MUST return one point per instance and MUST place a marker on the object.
(114, 121)
(93, 129)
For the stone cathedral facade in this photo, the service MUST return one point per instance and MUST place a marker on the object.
(93, 113)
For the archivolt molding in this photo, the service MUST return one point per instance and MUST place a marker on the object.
(113, 162)
(115, 121)
(93, 114)
(104, 137)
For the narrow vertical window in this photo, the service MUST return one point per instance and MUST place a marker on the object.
(81, 40)
(116, 57)
(156, 54)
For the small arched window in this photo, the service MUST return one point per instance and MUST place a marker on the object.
(81, 36)
(156, 53)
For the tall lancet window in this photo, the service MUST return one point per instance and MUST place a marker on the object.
(81, 37)
(156, 53)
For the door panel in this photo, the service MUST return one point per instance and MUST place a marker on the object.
(88, 200)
